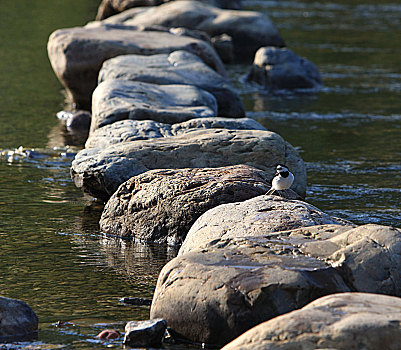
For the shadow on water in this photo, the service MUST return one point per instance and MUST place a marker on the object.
(52, 254)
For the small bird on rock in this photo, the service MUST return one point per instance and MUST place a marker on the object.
(283, 179)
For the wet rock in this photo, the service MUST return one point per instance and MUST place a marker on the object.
(99, 172)
(115, 100)
(109, 334)
(249, 30)
(18, 321)
(223, 44)
(79, 120)
(111, 7)
(342, 321)
(215, 294)
(255, 217)
(145, 333)
(179, 67)
(131, 130)
(77, 54)
(161, 205)
(279, 68)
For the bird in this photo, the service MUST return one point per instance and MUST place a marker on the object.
(283, 179)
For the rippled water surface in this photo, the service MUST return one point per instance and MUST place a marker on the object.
(51, 252)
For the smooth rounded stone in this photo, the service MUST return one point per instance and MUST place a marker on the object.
(99, 172)
(77, 54)
(115, 100)
(18, 321)
(161, 205)
(131, 130)
(255, 217)
(249, 30)
(179, 67)
(145, 333)
(78, 120)
(215, 294)
(280, 68)
(351, 321)
(111, 7)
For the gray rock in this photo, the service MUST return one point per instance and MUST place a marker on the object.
(351, 321)
(232, 280)
(255, 217)
(111, 7)
(131, 130)
(276, 68)
(77, 54)
(18, 321)
(249, 30)
(161, 205)
(115, 100)
(215, 294)
(99, 172)
(145, 333)
(179, 67)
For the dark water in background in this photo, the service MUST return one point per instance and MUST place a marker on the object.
(51, 253)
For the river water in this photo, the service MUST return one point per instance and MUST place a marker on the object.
(52, 254)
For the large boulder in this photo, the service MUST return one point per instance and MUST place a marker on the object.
(115, 100)
(161, 205)
(249, 30)
(77, 54)
(280, 68)
(99, 172)
(215, 294)
(17, 320)
(254, 217)
(131, 130)
(179, 67)
(351, 321)
(111, 7)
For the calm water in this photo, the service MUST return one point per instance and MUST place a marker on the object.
(51, 253)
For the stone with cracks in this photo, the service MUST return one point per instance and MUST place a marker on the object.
(351, 321)
(257, 216)
(99, 172)
(161, 205)
(131, 130)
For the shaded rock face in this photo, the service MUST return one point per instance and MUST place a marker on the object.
(115, 100)
(215, 294)
(254, 217)
(279, 68)
(17, 321)
(111, 7)
(161, 205)
(341, 321)
(99, 172)
(145, 333)
(77, 54)
(249, 30)
(180, 67)
(270, 270)
(132, 130)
